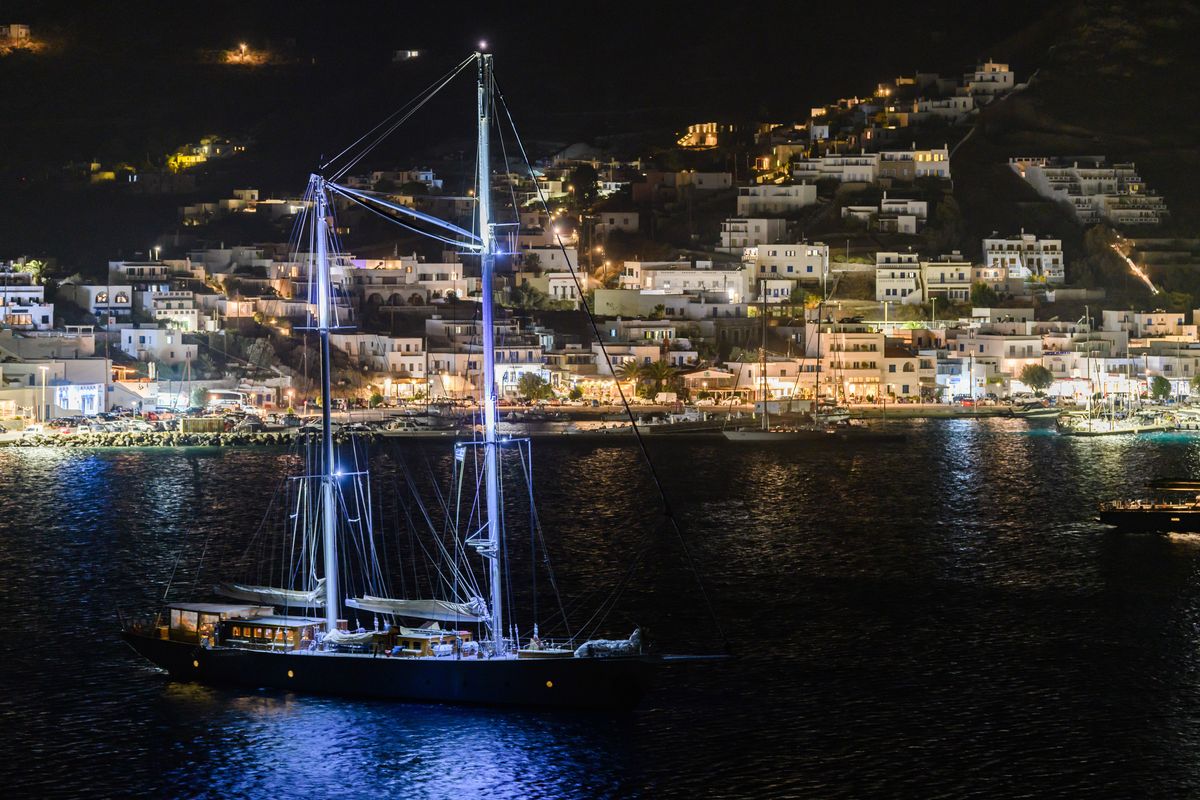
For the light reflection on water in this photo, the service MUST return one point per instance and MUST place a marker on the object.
(938, 618)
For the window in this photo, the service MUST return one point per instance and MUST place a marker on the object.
(891, 367)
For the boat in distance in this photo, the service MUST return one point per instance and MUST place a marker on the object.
(1175, 509)
(815, 433)
(1036, 410)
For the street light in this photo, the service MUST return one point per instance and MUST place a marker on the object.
(42, 408)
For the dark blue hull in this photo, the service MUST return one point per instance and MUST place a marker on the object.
(600, 683)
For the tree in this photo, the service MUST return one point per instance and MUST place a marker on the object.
(531, 386)
(199, 396)
(533, 263)
(204, 366)
(376, 400)
(1195, 384)
(630, 372)
(984, 296)
(584, 180)
(659, 373)
(659, 312)
(1160, 388)
(527, 297)
(575, 394)
(1036, 377)
(36, 268)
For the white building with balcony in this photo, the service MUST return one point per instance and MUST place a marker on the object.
(800, 262)
(1147, 324)
(951, 109)
(156, 344)
(678, 277)
(948, 278)
(1026, 256)
(609, 221)
(908, 165)
(988, 81)
(1093, 189)
(898, 278)
(109, 303)
(23, 303)
(740, 232)
(861, 168)
(768, 199)
(177, 309)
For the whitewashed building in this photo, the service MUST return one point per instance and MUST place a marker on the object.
(898, 278)
(1027, 256)
(740, 232)
(675, 277)
(768, 199)
(1093, 189)
(988, 81)
(156, 344)
(803, 261)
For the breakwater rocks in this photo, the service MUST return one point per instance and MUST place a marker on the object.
(177, 439)
(157, 439)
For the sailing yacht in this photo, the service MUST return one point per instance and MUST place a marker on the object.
(828, 423)
(465, 646)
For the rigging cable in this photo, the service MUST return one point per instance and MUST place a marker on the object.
(416, 103)
(667, 508)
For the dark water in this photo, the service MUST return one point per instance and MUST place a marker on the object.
(936, 619)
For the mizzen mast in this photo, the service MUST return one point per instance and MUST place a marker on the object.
(328, 468)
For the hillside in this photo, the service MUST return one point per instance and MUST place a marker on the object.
(1112, 78)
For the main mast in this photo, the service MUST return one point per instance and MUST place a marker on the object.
(488, 259)
(328, 490)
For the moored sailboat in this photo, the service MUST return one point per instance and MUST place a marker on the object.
(466, 646)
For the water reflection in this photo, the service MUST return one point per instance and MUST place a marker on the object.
(940, 618)
(268, 745)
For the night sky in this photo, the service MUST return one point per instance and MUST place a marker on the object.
(129, 81)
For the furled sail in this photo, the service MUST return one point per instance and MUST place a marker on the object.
(314, 598)
(439, 610)
(349, 637)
